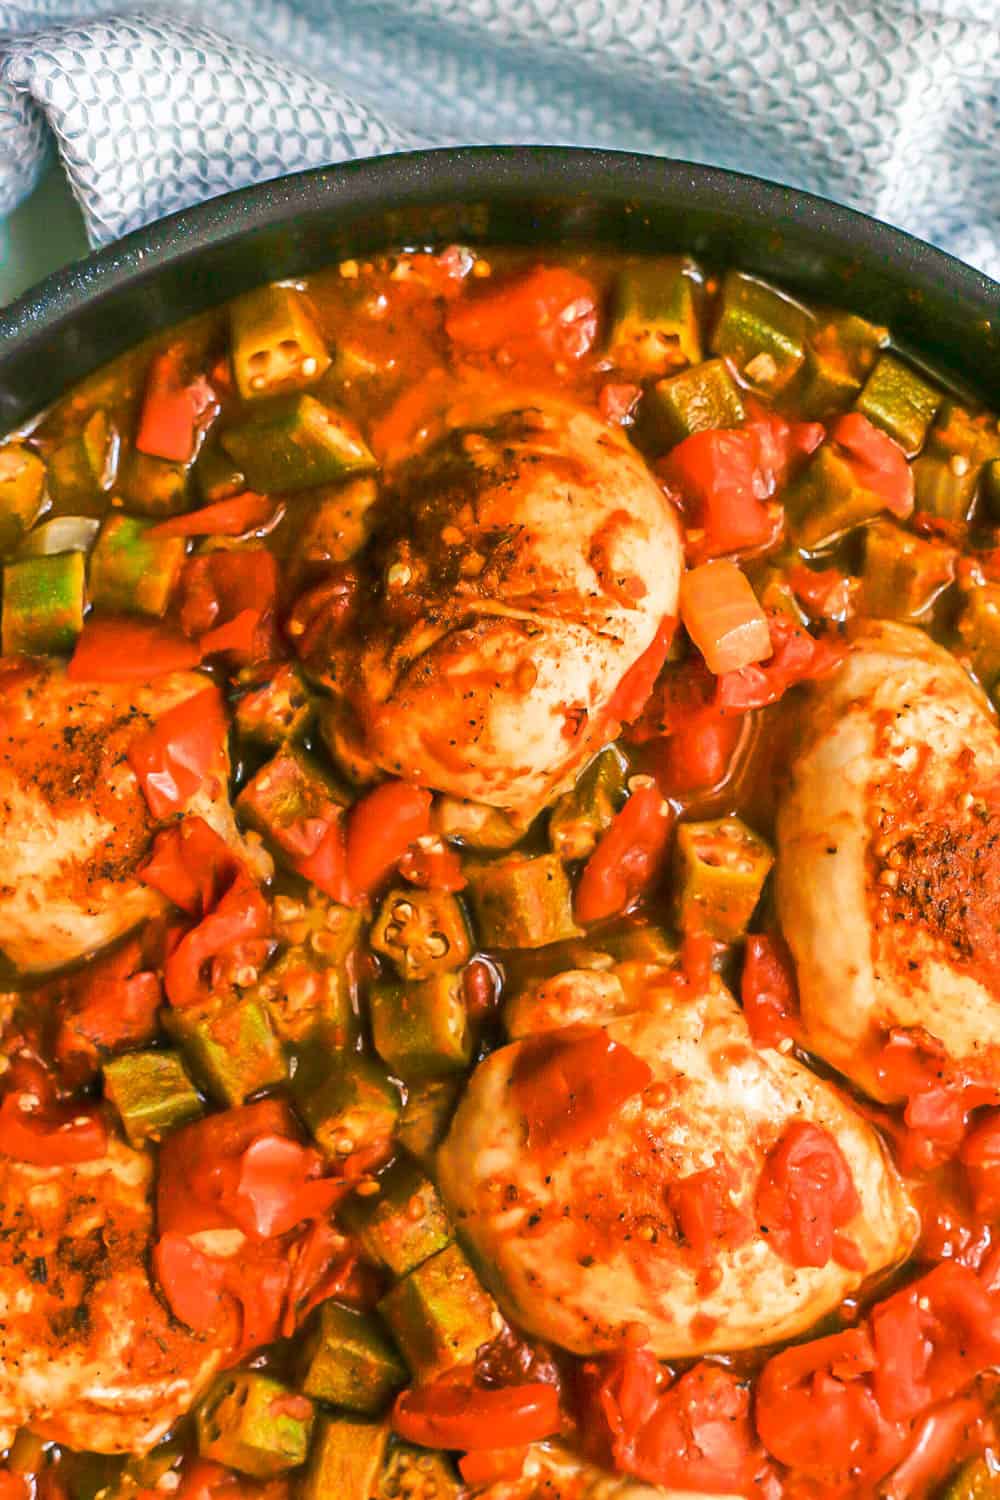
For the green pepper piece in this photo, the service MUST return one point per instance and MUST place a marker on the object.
(255, 1424)
(974, 1481)
(296, 444)
(82, 467)
(720, 869)
(277, 709)
(828, 500)
(230, 1046)
(475, 824)
(704, 397)
(131, 571)
(151, 1092)
(579, 817)
(22, 490)
(522, 901)
(426, 1117)
(305, 999)
(979, 628)
(421, 932)
(645, 945)
(421, 1030)
(904, 574)
(900, 401)
(419, 1474)
(404, 1224)
(654, 317)
(441, 1314)
(349, 1361)
(762, 331)
(276, 346)
(326, 932)
(346, 1459)
(215, 474)
(43, 601)
(154, 486)
(289, 792)
(336, 524)
(839, 358)
(347, 1100)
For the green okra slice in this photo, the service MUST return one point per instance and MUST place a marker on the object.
(350, 1361)
(229, 1045)
(215, 473)
(903, 573)
(277, 709)
(347, 1100)
(288, 793)
(440, 1314)
(426, 1116)
(336, 523)
(828, 500)
(840, 354)
(22, 492)
(306, 999)
(413, 1473)
(402, 1225)
(720, 867)
(297, 443)
(899, 400)
(763, 331)
(580, 816)
(975, 1480)
(654, 327)
(979, 629)
(132, 571)
(697, 400)
(276, 345)
(345, 1461)
(421, 1027)
(255, 1424)
(151, 1092)
(522, 901)
(154, 486)
(83, 466)
(421, 932)
(959, 448)
(43, 603)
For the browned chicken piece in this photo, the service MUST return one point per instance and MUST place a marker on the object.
(74, 825)
(580, 1242)
(526, 560)
(89, 1355)
(552, 1472)
(888, 866)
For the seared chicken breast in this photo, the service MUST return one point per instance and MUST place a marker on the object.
(89, 1356)
(74, 825)
(888, 868)
(526, 560)
(582, 1242)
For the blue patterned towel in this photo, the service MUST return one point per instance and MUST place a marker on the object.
(892, 106)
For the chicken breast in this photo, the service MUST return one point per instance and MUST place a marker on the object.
(74, 825)
(552, 1472)
(581, 1242)
(888, 871)
(525, 561)
(88, 1354)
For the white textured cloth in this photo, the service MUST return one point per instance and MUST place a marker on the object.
(892, 106)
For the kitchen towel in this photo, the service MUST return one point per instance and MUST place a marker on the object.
(891, 106)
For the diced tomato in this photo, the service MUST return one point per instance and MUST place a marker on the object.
(698, 951)
(113, 1009)
(701, 756)
(240, 915)
(571, 1084)
(941, 1440)
(490, 1465)
(321, 1267)
(217, 588)
(826, 593)
(450, 1415)
(191, 865)
(240, 635)
(186, 745)
(632, 693)
(627, 857)
(877, 460)
(616, 403)
(380, 829)
(192, 1282)
(805, 1194)
(680, 692)
(980, 1156)
(173, 409)
(706, 1215)
(797, 657)
(13, 1486)
(321, 615)
(549, 313)
(913, 1066)
(118, 648)
(196, 1177)
(723, 618)
(768, 990)
(326, 867)
(47, 1134)
(232, 517)
(277, 1185)
(432, 864)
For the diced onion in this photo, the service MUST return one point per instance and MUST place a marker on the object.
(61, 534)
(722, 616)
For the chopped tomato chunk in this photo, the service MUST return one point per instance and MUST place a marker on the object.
(877, 459)
(118, 648)
(432, 864)
(805, 1194)
(768, 990)
(229, 589)
(980, 1156)
(796, 657)
(627, 858)
(569, 1086)
(547, 313)
(450, 1415)
(632, 693)
(232, 517)
(173, 409)
(186, 745)
(35, 1127)
(380, 829)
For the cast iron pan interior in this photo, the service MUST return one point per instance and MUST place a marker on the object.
(546, 196)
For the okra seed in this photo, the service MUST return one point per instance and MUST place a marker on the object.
(258, 382)
(399, 575)
(959, 465)
(310, 366)
(402, 911)
(344, 1145)
(437, 945)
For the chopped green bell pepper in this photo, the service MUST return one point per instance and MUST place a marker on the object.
(336, 524)
(83, 466)
(230, 1046)
(347, 1100)
(898, 399)
(131, 571)
(979, 628)
(426, 1116)
(579, 817)
(441, 1315)
(43, 603)
(276, 346)
(421, 932)
(255, 1424)
(346, 1459)
(296, 444)
(350, 1361)
(904, 574)
(276, 709)
(154, 486)
(522, 901)
(414, 1473)
(840, 354)
(404, 1223)
(22, 491)
(151, 1092)
(762, 331)
(421, 1029)
(719, 872)
(654, 317)
(704, 397)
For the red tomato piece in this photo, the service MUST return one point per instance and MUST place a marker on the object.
(191, 865)
(570, 1085)
(447, 1415)
(939, 1442)
(173, 409)
(700, 1436)
(46, 1134)
(432, 864)
(826, 593)
(13, 1486)
(186, 745)
(320, 1269)
(805, 1193)
(912, 1066)
(278, 1186)
(616, 403)
(980, 1156)
(723, 490)
(490, 1465)
(627, 857)
(706, 1216)
(380, 829)
(218, 587)
(113, 1011)
(321, 615)
(768, 990)
(118, 648)
(326, 867)
(240, 915)
(192, 1282)
(240, 635)
(232, 517)
(797, 657)
(702, 755)
(197, 1177)
(878, 461)
(547, 313)
(632, 693)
